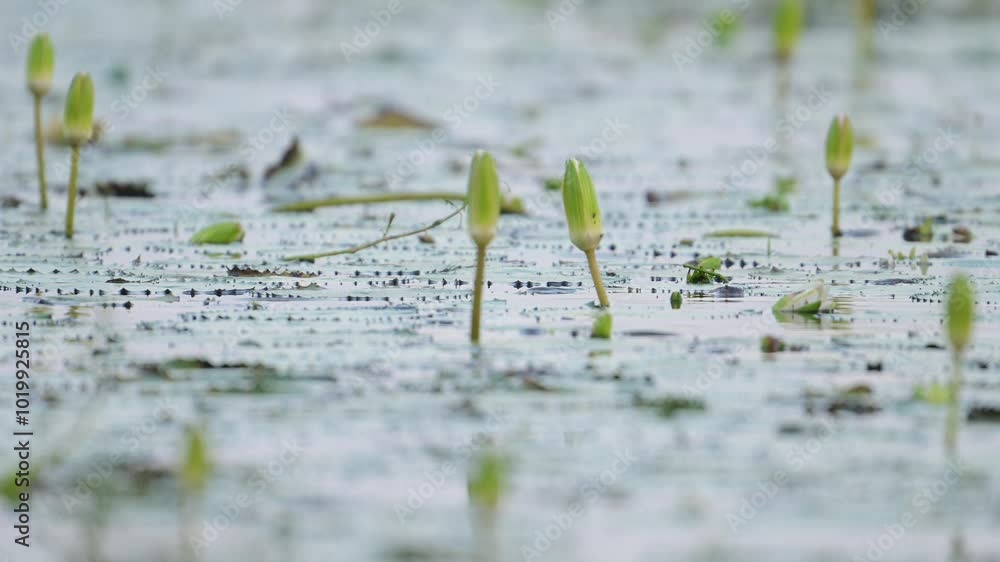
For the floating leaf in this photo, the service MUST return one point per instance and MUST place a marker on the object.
(740, 233)
(195, 466)
(392, 118)
(935, 393)
(668, 406)
(221, 233)
(814, 300)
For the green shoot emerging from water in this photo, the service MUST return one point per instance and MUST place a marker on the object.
(488, 480)
(839, 149)
(814, 300)
(484, 214)
(41, 65)
(787, 28)
(78, 126)
(960, 316)
(584, 218)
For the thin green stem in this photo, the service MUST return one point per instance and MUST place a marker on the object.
(366, 245)
(477, 291)
(954, 392)
(40, 153)
(71, 200)
(836, 208)
(508, 205)
(595, 272)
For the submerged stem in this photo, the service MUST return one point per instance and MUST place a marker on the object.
(477, 291)
(836, 208)
(954, 388)
(71, 200)
(40, 153)
(595, 272)
(366, 245)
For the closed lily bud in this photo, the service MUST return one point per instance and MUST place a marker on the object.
(41, 65)
(483, 198)
(787, 27)
(961, 312)
(839, 146)
(78, 120)
(582, 211)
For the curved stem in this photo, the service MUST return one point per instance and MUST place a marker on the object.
(71, 200)
(595, 272)
(366, 245)
(40, 153)
(836, 208)
(477, 291)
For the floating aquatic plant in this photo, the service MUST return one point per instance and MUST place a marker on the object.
(484, 214)
(839, 149)
(705, 271)
(220, 233)
(602, 326)
(960, 317)
(41, 65)
(583, 215)
(788, 20)
(78, 126)
(675, 300)
(813, 300)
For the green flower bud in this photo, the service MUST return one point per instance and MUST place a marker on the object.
(483, 198)
(78, 120)
(582, 211)
(787, 27)
(961, 312)
(41, 65)
(839, 146)
(675, 300)
(602, 327)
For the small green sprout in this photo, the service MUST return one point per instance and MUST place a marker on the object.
(196, 465)
(484, 214)
(813, 300)
(839, 149)
(41, 66)
(488, 480)
(220, 233)
(787, 28)
(602, 327)
(78, 126)
(960, 318)
(705, 271)
(583, 215)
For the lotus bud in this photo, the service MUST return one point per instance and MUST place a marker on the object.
(839, 146)
(582, 211)
(41, 65)
(961, 312)
(787, 28)
(483, 198)
(78, 120)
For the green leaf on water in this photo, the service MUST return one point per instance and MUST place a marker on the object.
(221, 233)
(936, 394)
(813, 300)
(705, 272)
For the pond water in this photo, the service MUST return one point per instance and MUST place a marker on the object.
(342, 404)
